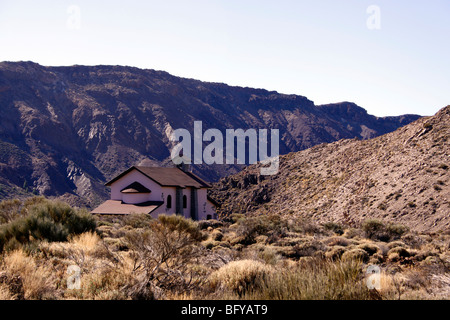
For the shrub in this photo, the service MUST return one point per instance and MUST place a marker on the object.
(179, 224)
(9, 210)
(370, 248)
(334, 227)
(48, 220)
(355, 254)
(137, 220)
(210, 244)
(217, 235)
(37, 280)
(395, 244)
(87, 241)
(373, 228)
(241, 276)
(205, 224)
(11, 286)
(413, 240)
(60, 213)
(353, 233)
(163, 255)
(305, 225)
(398, 253)
(335, 252)
(376, 258)
(309, 248)
(252, 227)
(338, 241)
(377, 230)
(396, 231)
(12, 209)
(102, 284)
(269, 255)
(5, 293)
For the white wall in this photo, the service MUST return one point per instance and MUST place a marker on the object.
(205, 207)
(135, 197)
(166, 191)
(159, 193)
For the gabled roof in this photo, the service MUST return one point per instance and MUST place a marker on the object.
(135, 187)
(167, 177)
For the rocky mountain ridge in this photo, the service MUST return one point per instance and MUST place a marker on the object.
(64, 131)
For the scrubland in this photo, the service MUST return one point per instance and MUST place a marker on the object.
(52, 251)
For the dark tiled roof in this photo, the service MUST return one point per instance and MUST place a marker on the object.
(169, 177)
(135, 187)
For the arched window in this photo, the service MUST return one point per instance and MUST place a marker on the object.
(184, 202)
(169, 201)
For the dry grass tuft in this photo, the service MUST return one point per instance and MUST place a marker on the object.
(38, 281)
(241, 276)
(313, 278)
(5, 293)
(87, 241)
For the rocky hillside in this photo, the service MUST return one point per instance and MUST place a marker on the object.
(403, 176)
(65, 131)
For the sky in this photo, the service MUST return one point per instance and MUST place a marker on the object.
(390, 57)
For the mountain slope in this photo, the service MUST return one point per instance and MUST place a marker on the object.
(67, 130)
(403, 176)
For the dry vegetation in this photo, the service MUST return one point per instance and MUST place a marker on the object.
(259, 257)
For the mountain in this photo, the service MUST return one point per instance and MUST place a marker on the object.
(65, 131)
(402, 176)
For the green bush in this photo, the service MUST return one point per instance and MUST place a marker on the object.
(137, 220)
(373, 228)
(396, 231)
(334, 227)
(45, 220)
(9, 210)
(269, 225)
(377, 230)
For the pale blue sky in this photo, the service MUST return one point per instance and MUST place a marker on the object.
(321, 49)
